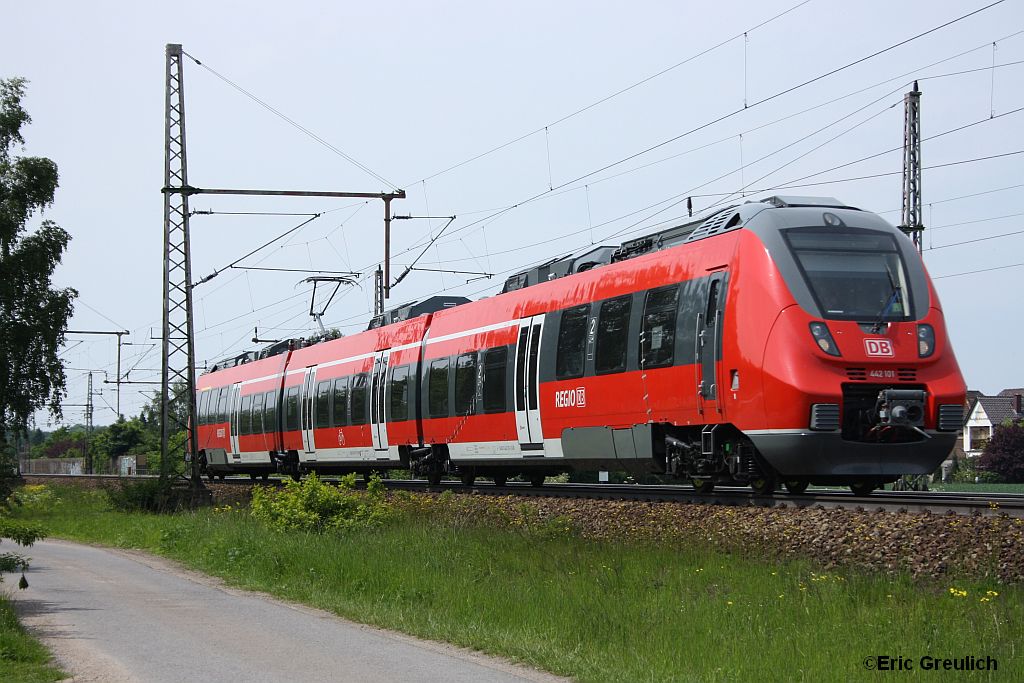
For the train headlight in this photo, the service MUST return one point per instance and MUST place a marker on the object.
(925, 341)
(824, 339)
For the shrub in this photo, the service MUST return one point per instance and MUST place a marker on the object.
(312, 505)
(147, 495)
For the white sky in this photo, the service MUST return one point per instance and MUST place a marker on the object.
(410, 89)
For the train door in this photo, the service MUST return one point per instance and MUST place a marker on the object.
(527, 384)
(234, 406)
(306, 398)
(709, 344)
(378, 400)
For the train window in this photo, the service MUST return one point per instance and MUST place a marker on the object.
(712, 312)
(291, 409)
(257, 413)
(358, 399)
(209, 406)
(572, 335)
(495, 361)
(245, 418)
(222, 405)
(201, 401)
(340, 408)
(613, 335)
(658, 339)
(400, 394)
(270, 414)
(465, 383)
(323, 404)
(437, 388)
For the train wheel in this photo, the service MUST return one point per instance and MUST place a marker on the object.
(253, 475)
(537, 480)
(211, 476)
(763, 486)
(221, 476)
(434, 478)
(468, 479)
(796, 487)
(265, 476)
(703, 486)
(500, 479)
(862, 489)
(296, 476)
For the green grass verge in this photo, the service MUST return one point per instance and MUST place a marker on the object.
(965, 487)
(595, 611)
(22, 657)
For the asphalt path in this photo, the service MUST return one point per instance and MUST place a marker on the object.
(113, 615)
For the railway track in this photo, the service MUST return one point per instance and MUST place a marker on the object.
(935, 502)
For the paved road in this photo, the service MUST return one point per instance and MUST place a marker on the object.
(114, 615)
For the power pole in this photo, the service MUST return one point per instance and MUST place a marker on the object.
(119, 343)
(88, 427)
(378, 292)
(911, 223)
(178, 367)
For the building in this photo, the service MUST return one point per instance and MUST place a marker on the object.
(987, 412)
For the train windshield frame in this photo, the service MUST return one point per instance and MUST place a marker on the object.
(853, 273)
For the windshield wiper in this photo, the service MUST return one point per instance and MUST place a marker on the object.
(893, 298)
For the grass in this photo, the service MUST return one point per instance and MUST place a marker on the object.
(966, 487)
(22, 657)
(595, 611)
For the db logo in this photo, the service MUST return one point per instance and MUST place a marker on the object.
(341, 438)
(571, 398)
(878, 347)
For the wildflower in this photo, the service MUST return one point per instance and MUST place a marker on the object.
(985, 600)
(728, 602)
(992, 594)
(957, 593)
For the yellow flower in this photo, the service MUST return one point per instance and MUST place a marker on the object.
(991, 593)
(728, 602)
(985, 600)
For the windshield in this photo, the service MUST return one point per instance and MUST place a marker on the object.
(854, 274)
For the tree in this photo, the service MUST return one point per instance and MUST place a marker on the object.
(1004, 453)
(33, 314)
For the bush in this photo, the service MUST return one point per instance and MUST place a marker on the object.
(1004, 453)
(312, 505)
(147, 495)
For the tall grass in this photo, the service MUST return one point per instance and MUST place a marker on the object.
(595, 611)
(22, 657)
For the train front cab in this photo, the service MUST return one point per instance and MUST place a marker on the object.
(859, 380)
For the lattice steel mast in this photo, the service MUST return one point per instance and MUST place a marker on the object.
(177, 382)
(911, 222)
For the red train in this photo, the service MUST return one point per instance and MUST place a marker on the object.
(791, 340)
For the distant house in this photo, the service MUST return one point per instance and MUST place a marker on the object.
(989, 411)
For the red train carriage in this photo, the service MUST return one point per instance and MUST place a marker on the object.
(793, 339)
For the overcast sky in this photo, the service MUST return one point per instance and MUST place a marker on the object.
(411, 89)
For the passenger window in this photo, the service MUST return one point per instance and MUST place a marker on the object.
(437, 388)
(270, 414)
(358, 398)
(257, 414)
(613, 335)
(200, 405)
(712, 312)
(465, 383)
(340, 411)
(222, 405)
(572, 335)
(658, 338)
(245, 416)
(495, 361)
(291, 409)
(400, 394)
(323, 404)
